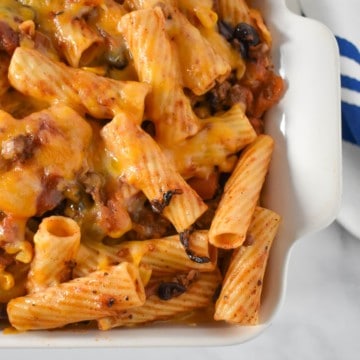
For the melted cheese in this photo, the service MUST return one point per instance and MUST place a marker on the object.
(62, 138)
(14, 13)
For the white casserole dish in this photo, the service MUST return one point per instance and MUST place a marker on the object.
(304, 183)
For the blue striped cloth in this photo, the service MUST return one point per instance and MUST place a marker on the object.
(350, 111)
(342, 18)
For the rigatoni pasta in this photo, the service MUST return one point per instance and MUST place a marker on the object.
(147, 169)
(164, 256)
(241, 194)
(197, 295)
(239, 300)
(200, 69)
(220, 137)
(132, 160)
(102, 293)
(167, 106)
(37, 76)
(56, 244)
(234, 12)
(78, 40)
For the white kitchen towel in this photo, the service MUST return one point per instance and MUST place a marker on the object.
(343, 19)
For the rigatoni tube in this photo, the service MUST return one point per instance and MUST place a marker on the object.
(102, 293)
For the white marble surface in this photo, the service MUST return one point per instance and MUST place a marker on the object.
(320, 318)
